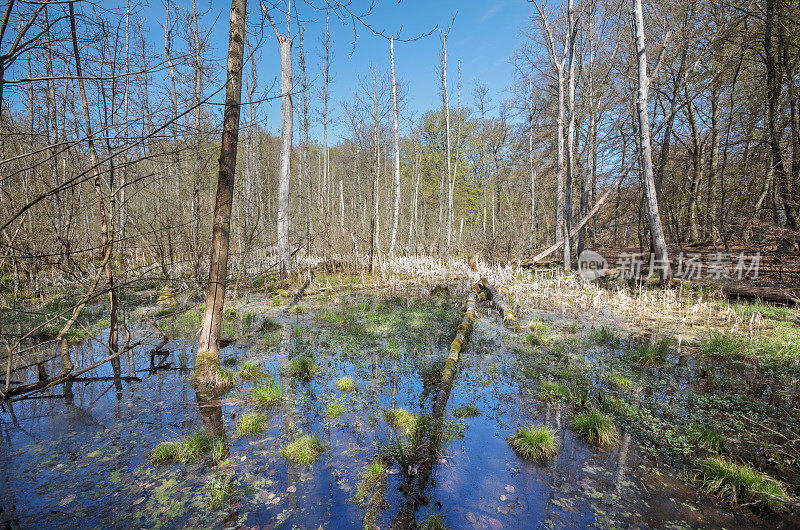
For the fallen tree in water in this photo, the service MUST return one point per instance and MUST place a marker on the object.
(500, 303)
(429, 429)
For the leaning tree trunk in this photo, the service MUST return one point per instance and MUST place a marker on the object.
(207, 363)
(284, 256)
(656, 231)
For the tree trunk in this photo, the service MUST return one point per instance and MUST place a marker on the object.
(198, 161)
(284, 256)
(207, 362)
(106, 232)
(570, 134)
(396, 113)
(656, 231)
(446, 113)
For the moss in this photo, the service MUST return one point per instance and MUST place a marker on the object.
(708, 438)
(267, 392)
(303, 450)
(466, 411)
(345, 384)
(303, 367)
(210, 374)
(742, 484)
(251, 424)
(536, 442)
(221, 491)
(595, 427)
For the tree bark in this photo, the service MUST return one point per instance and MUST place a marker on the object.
(396, 114)
(284, 257)
(207, 362)
(656, 231)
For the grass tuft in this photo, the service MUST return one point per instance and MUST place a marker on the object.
(303, 367)
(723, 344)
(345, 384)
(604, 336)
(335, 408)
(251, 424)
(267, 392)
(303, 450)
(653, 352)
(536, 442)
(595, 427)
(164, 452)
(370, 479)
(250, 371)
(402, 420)
(710, 439)
(466, 411)
(551, 391)
(740, 483)
(221, 491)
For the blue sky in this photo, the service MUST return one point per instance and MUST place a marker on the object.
(483, 38)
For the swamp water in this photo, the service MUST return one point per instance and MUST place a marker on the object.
(78, 456)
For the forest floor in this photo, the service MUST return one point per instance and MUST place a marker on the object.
(696, 394)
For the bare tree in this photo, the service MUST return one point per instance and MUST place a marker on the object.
(661, 258)
(207, 373)
(396, 128)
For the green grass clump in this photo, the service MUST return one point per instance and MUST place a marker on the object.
(335, 408)
(742, 484)
(267, 392)
(303, 367)
(303, 450)
(221, 491)
(218, 451)
(251, 424)
(621, 381)
(433, 522)
(710, 439)
(270, 325)
(370, 478)
(249, 371)
(595, 427)
(653, 352)
(723, 344)
(536, 337)
(194, 447)
(604, 336)
(345, 384)
(552, 391)
(402, 420)
(164, 452)
(187, 450)
(536, 442)
(466, 411)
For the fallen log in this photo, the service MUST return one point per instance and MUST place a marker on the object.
(426, 451)
(499, 302)
(766, 294)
